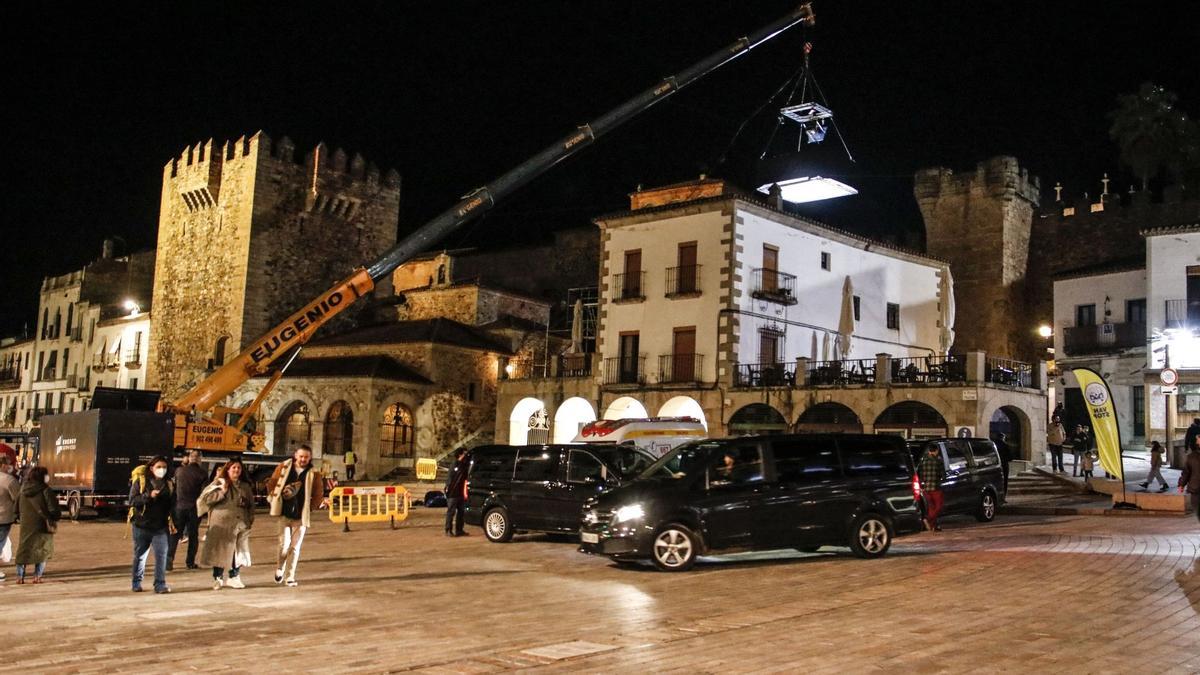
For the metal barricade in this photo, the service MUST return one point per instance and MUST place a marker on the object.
(368, 504)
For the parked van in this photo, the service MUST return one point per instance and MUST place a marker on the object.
(520, 488)
(656, 435)
(755, 493)
(974, 482)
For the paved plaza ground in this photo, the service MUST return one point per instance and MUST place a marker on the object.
(1030, 594)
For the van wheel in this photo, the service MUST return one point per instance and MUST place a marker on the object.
(674, 548)
(497, 526)
(870, 536)
(987, 507)
(74, 506)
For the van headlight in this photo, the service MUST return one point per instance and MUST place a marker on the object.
(628, 513)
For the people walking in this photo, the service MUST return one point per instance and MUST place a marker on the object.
(1089, 465)
(10, 496)
(1189, 478)
(351, 460)
(930, 472)
(1055, 438)
(1189, 437)
(229, 503)
(189, 480)
(1005, 451)
(456, 495)
(39, 513)
(1156, 462)
(151, 501)
(294, 489)
(1079, 445)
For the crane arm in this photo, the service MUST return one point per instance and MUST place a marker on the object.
(297, 328)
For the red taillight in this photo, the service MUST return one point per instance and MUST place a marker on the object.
(466, 488)
(916, 487)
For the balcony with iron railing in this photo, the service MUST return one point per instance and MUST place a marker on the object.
(1105, 337)
(629, 287)
(77, 334)
(683, 281)
(929, 369)
(841, 372)
(883, 370)
(680, 368)
(764, 375)
(573, 365)
(628, 370)
(1008, 372)
(773, 285)
(133, 358)
(37, 415)
(10, 378)
(48, 374)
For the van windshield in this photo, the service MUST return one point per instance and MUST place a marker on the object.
(685, 460)
(627, 460)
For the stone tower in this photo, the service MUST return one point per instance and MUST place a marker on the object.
(246, 236)
(980, 223)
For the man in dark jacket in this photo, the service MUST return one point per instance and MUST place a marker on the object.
(456, 495)
(189, 481)
(151, 500)
(1189, 440)
(1189, 479)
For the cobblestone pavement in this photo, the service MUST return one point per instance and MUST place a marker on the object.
(1030, 594)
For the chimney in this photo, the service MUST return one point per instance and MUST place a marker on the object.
(106, 249)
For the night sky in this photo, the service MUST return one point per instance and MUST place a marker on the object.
(453, 94)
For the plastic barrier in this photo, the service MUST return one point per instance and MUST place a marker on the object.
(368, 505)
(427, 468)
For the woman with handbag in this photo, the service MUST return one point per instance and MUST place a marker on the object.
(39, 513)
(229, 503)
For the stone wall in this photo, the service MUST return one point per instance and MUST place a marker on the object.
(247, 236)
(980, 222)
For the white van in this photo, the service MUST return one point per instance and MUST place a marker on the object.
(655, 435)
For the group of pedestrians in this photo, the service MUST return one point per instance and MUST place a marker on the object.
(32, 501)
(163, 510)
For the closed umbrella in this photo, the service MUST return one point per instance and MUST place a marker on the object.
(846, 322)
(577, 327)
(946, 300)
(825, 347)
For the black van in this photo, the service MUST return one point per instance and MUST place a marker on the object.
(764, 492)
(516, 488)
(974, 482)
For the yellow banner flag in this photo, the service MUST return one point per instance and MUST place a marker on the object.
(1097, 398)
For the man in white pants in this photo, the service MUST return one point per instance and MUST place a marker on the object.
(294, 489)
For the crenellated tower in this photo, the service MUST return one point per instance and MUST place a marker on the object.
(979, 221)
(246, 235)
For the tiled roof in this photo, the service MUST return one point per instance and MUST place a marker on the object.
(1171, 229)
(1126, 264)
(375, 367)
(440, 331)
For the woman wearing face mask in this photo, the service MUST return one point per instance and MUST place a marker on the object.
(39, 512)
(229, 503)
(151, 497)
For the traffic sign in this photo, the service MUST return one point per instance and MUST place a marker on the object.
(1172, 389)
(1169, 377)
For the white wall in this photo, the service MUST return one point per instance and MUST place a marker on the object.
(658, 316)
(878, 276)
(1118, 287)
(1167, 259)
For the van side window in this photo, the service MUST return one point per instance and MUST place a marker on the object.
(536, 464)
(487, 465)
(736, 465)
(984, 453)
(583, 468)
(872, 457)
(802, 461)
(956, 455)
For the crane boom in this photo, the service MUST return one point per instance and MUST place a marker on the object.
(256, 357)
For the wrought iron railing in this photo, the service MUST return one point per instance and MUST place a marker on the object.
(1104, 337)
(625, 370)
(928, 369)
(846, 371)
(1008, 372)
(675, 368)
(764, 375)
(683, 280)
(629, 286)
(574, 365)
(769, 284)
(133, 357)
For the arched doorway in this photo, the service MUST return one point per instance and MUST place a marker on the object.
(683, 406)
(911, 419)
(570, 418)
(829, 417)
(396, 432)
(757, 418)
(1008, 424)
(292, 428)
(529, 423)
(339, 429)
(625, 408)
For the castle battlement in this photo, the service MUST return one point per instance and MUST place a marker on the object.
(999, 176)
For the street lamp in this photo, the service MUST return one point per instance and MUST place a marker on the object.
(1045, 331)
(132, 307)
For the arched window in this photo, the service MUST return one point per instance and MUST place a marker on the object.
(292, 428)
(396, 433)
(339, 429)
